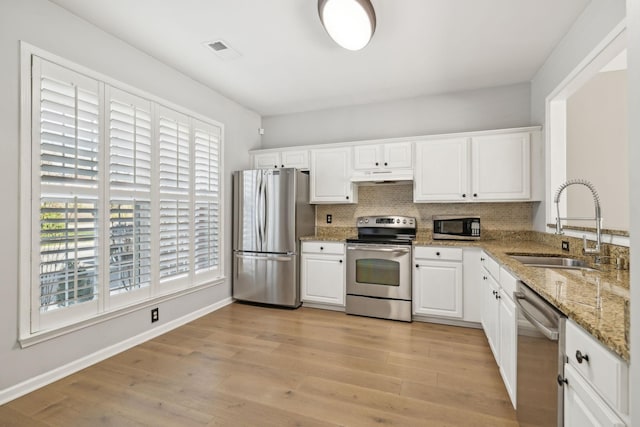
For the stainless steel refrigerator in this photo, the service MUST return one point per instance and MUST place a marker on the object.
(271, 212)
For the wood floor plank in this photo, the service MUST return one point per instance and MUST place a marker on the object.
(248, 365)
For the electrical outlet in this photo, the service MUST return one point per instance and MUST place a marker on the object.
(155, 314)
(329, 218)
(565, 245)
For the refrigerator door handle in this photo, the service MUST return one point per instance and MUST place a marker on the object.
(278, 257)
(265, 215)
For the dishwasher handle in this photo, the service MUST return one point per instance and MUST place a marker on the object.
(550, 333)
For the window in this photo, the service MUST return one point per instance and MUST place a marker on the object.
(125, 198)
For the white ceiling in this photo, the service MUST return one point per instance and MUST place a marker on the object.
(289, 64)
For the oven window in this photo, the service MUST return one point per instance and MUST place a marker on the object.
(378, 272)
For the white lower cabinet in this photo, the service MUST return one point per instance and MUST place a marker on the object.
(437, 282)
(597, 389)
(322, 275)
(499, 320)
(508, 343)
(490, 312)
(582, 405)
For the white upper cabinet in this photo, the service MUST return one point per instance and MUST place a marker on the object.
(500, 166)
(442, 170)
(331, 176)
(382, 156)
(483, 168)
(282, 159)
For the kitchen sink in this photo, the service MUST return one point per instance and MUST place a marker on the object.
(550, 261)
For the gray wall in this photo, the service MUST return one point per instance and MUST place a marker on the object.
(597, 144)
(596, 21)
(47, 26)
(493, 108)
(633, 34)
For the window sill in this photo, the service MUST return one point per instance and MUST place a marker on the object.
(33, 339)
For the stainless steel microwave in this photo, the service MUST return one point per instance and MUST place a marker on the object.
(456, 227)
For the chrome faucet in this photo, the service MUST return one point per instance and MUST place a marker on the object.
(598, 215)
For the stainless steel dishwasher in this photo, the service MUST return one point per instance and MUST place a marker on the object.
(540, 377)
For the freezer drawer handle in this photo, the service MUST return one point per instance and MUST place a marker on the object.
(552, 334)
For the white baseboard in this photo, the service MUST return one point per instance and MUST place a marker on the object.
(42, 380)
(445, 321)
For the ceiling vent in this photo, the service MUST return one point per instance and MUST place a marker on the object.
(222, 49)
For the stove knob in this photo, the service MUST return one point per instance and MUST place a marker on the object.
(398, 220)
(404, 221)
(366, 220)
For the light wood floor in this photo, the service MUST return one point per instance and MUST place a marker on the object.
(254, 366)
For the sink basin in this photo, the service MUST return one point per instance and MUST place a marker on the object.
(552, 262)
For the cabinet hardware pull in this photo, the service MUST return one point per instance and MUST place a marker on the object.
(275, 166)
(340, 261)
(417, 265)
(464, 195)
(484, 278)
(494, 293)
(282, 165)
(377, 163)
(481, 259)
(321, 248)
(562, 381)
(385, 163)
(347, 197)
(580, 357)
(475, 194)
(437, 253)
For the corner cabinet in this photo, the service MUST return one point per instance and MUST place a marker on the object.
(480, 168)
(322, 274)
(331, 176)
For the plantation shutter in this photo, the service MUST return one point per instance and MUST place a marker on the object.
(66, 128)
(174, 188)
(207, 197)
(130, 133)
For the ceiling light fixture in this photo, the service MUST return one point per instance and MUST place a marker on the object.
(350, 23)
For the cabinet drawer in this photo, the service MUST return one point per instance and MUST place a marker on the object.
(442, 254)
(323, 248)
(508, 282)
(605, 371)
(491, 265)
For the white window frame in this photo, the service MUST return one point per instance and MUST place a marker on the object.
(28, 233)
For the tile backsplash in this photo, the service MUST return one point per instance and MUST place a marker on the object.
(387, 199)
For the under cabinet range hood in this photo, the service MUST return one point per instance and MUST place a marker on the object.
(380, 176)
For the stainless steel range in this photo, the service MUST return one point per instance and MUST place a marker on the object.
(379, 267)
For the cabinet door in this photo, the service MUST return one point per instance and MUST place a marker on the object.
(441, 171)
(267, 161)
(508, 344)
(323, 279)
(398, 155)
(501, 167)
(490, 312)
(438, 288)
(331, 176)
(367, 157)
(583, 407)
(295, 159)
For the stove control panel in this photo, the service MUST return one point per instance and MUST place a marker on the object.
(387, 221)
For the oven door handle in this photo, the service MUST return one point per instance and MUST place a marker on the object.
(378, 248)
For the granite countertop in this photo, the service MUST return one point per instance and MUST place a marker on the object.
(596, 300)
